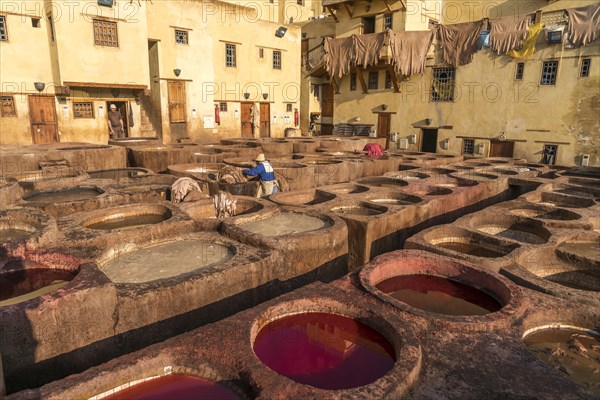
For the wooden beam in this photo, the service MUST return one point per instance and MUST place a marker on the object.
(348, 9)
(394, 78)
(361, 79)
(403, 5)
(332, 13)
(335, 84)
(105, 85)
(387, 5)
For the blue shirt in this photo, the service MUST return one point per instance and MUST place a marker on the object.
(261, 170)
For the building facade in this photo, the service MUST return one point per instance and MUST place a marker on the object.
(178, 69)
(496, 105)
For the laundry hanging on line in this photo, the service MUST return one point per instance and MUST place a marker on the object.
(527, 47)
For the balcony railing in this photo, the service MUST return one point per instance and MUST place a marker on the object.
(315, 59)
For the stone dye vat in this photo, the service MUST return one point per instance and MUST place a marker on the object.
(360, 209)
(204, 214)
(345, 188)
(408, 175)
(522, 230)
(180, 387)
(63, 196)
(328, 351)
(128, 217)
(122, 173)
(571, 350)
(382, 181)
(285, 223)
(558, 200)
(302, 198)
(550, 215)
(147, 264)
(395, 199)
(428, 190)
(426, 283)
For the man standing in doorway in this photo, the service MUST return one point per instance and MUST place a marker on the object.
(115, 123)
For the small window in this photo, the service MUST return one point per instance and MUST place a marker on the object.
(276, 59)
(105, 33)
(585, 67)
(3, 29)
(373, 80)
(368, 25)
(51, 26)
(230, 55)
(549, 72)
(83, 109)
(468, 146)
(181, 36)
(223, 107)
(288, 107)
(555, 37)
(520, 70)
(388, 80)
(353, 81)
(8, 106)
(261, 53)
(442, 84)
(387, 21)
(35, 22)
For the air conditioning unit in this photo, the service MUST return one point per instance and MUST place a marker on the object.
(393, 137)
(555, 37)
(479, 148)
(403, 144)
(585, 160)
(412, 139)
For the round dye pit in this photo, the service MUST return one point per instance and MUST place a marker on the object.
(303, 198)
(397, 200)
(326, 351)
(14, 230)
(439, 171)
(579, 191)
(346, 189)
(383, 182)
(409, 175)
(63, 196)
(119, 173)
(439, 295)
(430, 191)
(520, 230)
(206, 208)
(21, 285)
(477, 176)
(361, 210)
(165, 260)
(38, 176)
(559, 200)
(547, 213)
(468, 242)
(179, 387)
(285, 223)
(573, 351)
(129, 217)
(455, 182)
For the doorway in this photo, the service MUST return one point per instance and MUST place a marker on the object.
(383, 126)
(246, 116)
(123, 108)
(265, 123)
(500, 148)
(327, 109)
(42, 115)
(429, 140)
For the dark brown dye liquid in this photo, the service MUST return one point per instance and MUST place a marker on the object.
(134, 221)
(470, 249)
(439, 295)
(175, 387)
(18, 286)
(324, 350)
(117, 173)
(574, 352)
(63, 196)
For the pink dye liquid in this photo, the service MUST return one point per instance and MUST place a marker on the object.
(324, 350)
(439, 295)
(175, 387)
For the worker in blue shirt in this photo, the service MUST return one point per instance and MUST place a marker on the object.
(264, 170)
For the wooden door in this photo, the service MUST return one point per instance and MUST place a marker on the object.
(327, 101)
(246, 120)
(383, 127)
(177, 103)
(265, 123)
(501, 148)
(42, 114)
(429, 141)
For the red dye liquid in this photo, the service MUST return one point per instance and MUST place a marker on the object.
(324, 350)
(19, 283)
(175, 387)
(439, 295)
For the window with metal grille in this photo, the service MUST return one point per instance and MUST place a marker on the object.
(585, 67)
(105, 33)
(549, 71)
(276, 59)
(468, 146)
(388, 80)
(387, 21)
(83, 109)
(442, 85)
(261, 53)
(8, 106)
(3, 29)
(35, 22)
(288, 107)
(353, 81)
(230, 55)
(181, 37)
(520, 70)
(223, 107)
(51, 26)
(368, 25)
(373, 80)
